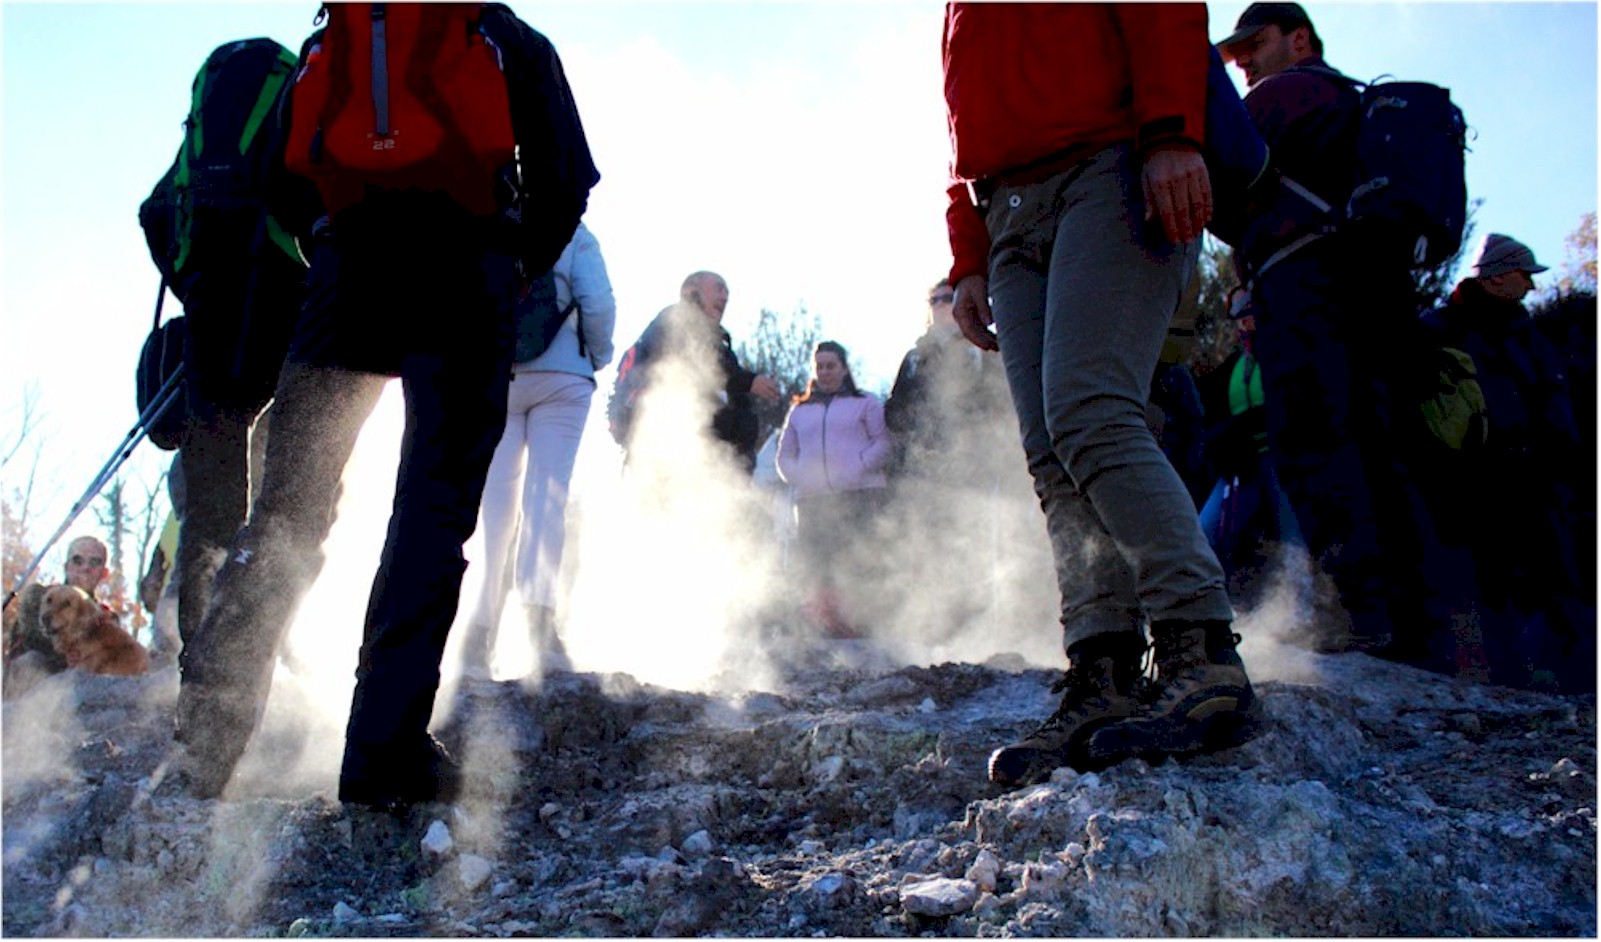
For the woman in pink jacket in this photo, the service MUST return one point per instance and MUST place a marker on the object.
(833, 453)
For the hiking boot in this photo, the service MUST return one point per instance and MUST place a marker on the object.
(1200, 702)
(211, 731)
(1097, 691)
(549, 652)
(402, 778)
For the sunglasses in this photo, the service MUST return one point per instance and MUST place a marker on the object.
(88, 561)
(944, 298)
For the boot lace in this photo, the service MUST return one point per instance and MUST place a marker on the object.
(1186, 651)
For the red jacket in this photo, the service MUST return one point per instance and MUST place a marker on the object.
(1024, 81)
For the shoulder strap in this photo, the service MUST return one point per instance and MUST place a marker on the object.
(1330, 72)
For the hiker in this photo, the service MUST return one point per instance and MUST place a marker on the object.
(29, 653)
(241, 281)
(833, 452)
(1078, 199)
(690, 333)
(413, 275)
(1174, 414)
(1538, 619)
(524, 519)
(86, 565)
(1333, 389)
(947, 394)
(1246, 516)
(950, 415)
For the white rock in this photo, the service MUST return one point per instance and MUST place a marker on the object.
(828, 769)
(939, 897)
(438, 840)
(831, 886)
(473, 870)
(699, 844)
(1043, 880)
(986, 867)
(343, 913)
(927, 706)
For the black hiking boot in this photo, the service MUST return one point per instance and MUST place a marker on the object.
(1097, 690)
(1201, 702)
(394, 780)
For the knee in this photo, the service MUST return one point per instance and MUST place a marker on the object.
(1087, 445)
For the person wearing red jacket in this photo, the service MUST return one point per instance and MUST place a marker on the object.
(1078, 198)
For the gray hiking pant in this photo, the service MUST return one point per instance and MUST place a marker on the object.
(1082, 290)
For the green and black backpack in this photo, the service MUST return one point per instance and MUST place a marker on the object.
(208, 210)
(211, 195)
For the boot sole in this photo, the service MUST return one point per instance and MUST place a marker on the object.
(1074, 755)
(1213, 726)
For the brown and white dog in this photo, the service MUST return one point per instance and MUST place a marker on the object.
(89, 636)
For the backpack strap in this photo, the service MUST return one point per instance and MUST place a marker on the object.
(380, 68)
(265, 100)
(161, 297)
(573, 305)
(1329, 72)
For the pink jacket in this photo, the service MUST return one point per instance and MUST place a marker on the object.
(838, 445)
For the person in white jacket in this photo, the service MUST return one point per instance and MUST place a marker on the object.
(833, 452)
(523, 516)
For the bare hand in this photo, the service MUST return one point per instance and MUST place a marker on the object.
(972, 312)
(1178, 190)
(763, 387)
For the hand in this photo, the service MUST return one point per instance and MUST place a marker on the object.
(763, 387)
(972, 312)
(1178, 189)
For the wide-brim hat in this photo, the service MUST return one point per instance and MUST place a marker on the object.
(1502, 254)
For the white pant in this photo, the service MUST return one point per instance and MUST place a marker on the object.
(545, 416)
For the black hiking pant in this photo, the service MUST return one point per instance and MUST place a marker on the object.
(399, 290)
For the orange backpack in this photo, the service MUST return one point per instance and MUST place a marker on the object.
(399, 96)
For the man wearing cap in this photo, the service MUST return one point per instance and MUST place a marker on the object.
(1517, 488)
(1317, 295)
(1077, 200)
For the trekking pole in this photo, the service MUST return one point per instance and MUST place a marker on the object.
(171, 391)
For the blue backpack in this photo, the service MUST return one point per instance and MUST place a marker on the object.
(1409, 194)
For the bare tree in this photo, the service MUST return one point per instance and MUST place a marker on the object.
(114, 521)
(29, 434)
(29, 420)
(1202, 322)
(782, 348)
(1432, 287)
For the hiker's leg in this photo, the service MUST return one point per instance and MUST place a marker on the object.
(455, 417)
(227, 666)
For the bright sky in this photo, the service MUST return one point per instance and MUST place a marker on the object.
(798, 149)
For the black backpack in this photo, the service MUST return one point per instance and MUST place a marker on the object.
(159, 387)
(1409, 195)
(539, 317)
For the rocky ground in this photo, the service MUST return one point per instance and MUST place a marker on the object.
(846, 801)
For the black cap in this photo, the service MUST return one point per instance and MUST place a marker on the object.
(1286, 16)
